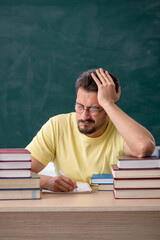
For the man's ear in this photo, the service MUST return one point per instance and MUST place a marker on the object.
(118, 94)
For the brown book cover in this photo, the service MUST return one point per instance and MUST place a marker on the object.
(20, 182)
(19, 194)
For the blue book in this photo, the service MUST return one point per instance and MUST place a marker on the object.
(102, 179)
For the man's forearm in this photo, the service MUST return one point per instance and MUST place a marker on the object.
(139, 140)
(46, 182)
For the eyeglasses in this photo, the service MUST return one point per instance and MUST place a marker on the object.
(94, 111)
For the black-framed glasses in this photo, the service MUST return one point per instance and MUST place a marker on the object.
(94, 111)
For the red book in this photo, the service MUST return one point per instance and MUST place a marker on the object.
(14, 154)
(14, 150)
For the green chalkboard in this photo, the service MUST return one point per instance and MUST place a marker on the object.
(45, 45)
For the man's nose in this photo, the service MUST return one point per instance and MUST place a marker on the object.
(85, 115)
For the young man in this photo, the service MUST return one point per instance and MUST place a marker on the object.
(87, 142)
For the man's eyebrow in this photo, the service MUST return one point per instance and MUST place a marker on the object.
(79, 103)
(89, 106)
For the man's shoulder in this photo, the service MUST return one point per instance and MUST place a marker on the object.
(63, 118)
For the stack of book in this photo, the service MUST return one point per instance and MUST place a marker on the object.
(103, 181)
(136, 177)
(16, 179)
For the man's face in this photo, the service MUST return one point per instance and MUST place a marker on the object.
(92, 126)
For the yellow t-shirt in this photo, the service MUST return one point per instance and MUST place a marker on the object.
(72, 152)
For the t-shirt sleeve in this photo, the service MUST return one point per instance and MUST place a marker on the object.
(42, 147)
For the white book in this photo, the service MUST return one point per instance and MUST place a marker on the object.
(134, 162)
(14, 154)
(83, 187)
(14, 173)
(15, 164)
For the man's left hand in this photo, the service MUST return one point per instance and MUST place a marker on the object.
(106, 88)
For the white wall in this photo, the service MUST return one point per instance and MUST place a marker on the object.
(49, 170)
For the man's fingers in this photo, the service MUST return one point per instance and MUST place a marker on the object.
(97, 81)
(64, 184)
(60, 188)
(106, 76)
(75, 185)
(109, 77)
(101, 76)
(68, 183)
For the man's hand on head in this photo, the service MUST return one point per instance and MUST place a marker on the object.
(106, 88)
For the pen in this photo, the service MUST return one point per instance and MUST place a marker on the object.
(64, 175)
(61, 173)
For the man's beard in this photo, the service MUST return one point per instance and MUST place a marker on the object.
(91, 130)
(84, 130)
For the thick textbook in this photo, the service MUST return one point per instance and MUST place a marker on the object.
(14, 173)
(105, 187)
(15, 164)
(15, 194)
(19, 183)
(83, 187)
(135, 162)
(14, 154)
(136, 183)
(119, 173)
(102, 179)
(137, 193)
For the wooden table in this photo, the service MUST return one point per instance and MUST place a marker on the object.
(80, 216)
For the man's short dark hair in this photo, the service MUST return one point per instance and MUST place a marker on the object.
(86, 81)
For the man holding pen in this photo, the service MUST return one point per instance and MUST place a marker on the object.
(88, 140)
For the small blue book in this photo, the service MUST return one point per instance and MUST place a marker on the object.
(102, 179)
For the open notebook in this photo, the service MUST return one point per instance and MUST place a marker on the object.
(83, 187)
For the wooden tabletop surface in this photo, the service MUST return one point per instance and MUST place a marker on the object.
(98, 201)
